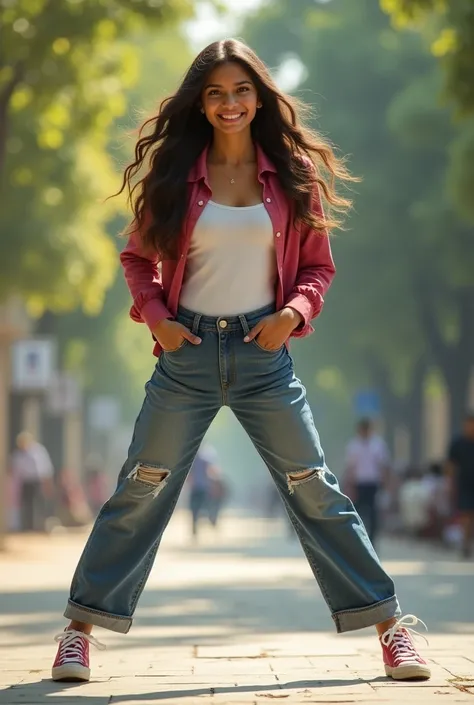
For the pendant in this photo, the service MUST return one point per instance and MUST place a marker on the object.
(232, 181)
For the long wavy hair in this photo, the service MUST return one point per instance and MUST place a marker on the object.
(170, 143)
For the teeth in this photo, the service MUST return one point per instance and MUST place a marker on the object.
(231, 117)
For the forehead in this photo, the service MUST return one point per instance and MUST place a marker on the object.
(228, 73)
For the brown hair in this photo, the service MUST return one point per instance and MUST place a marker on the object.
(170, 143)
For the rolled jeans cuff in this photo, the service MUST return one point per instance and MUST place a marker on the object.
(114, 622)
(361, 617)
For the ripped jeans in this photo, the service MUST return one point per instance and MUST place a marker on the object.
(186, 391)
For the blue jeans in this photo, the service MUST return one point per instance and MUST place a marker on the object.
(186, 391)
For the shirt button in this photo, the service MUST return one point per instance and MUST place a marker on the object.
(278, 234)
(223, 324)
(200, 203)
(269, 200)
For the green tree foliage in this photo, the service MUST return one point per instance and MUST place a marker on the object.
(401, 297)
(111, 352)
(449, 26)
(64, 70)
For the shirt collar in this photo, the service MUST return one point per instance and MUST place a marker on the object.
(199, 170)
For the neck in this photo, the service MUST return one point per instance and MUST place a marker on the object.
(232, 150)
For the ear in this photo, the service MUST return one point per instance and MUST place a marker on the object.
(202, 110)
(259, 105)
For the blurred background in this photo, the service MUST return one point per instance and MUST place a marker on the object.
(391, 83)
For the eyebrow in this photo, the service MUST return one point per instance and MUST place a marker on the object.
(218, 85)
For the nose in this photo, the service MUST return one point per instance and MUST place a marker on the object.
(229, 99)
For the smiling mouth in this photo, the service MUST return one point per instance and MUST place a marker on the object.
(231, 117)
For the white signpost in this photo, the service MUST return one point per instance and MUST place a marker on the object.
(33, 364)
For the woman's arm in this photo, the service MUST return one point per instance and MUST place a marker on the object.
(143, 276)
(315, 273)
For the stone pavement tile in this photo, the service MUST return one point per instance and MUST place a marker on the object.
(289, 680)
(212, 699)
(9, 678)
(41, 692)
(456, 666)
(261, 669)
(298, 647)
(436, 681)
(32, 699)
(408, 693)
(138, 671)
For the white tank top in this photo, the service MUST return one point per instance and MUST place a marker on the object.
(231, 263)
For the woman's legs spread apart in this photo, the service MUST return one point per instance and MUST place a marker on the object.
(274, 412)
(180, 405)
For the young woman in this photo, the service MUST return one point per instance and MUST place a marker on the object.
(228, 258)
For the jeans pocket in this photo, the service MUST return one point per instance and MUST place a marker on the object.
(264, 350)
(180, 347)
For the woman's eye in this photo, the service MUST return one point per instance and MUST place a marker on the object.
(243, 89)
(214, 92)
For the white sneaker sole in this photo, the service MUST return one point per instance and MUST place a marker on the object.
(72, 672)
(410, 672)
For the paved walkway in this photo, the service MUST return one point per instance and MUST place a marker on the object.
(235, 619)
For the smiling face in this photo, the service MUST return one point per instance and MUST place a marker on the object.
(229, 98)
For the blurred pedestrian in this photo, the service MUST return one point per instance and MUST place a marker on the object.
(32, 471)
(74, 509)
(228, 258)
(96, 483)
(366, 473)
(460, 473)
(218, 494)
(437, 489)
(414, 499)
(200, 484)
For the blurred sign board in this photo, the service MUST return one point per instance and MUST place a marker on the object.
(104, 413)
(64, 394)
(367, 403)
(33, 364)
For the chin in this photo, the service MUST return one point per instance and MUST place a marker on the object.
(231, 129)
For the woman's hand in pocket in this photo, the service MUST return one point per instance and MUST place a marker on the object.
(273, 331)
(171, 335)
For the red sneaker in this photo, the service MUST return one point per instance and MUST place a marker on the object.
(401, 659)
(72, 660)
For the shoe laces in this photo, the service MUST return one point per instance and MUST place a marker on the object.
(398, 637)
(72, 646)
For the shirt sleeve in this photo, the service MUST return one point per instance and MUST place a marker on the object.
(143, 276)
(315, 273)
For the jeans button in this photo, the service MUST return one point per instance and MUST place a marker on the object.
(223, 324)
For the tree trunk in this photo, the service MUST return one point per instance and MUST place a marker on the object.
(5, 96)
(457, 378)
(403, 412)
(389, 402)
(455, 360)
(413, 410)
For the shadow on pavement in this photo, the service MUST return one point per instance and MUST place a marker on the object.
(428, 585)
(30, 692)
